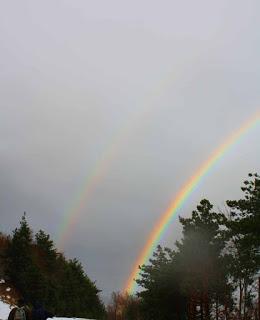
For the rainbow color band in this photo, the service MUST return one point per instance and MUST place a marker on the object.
(166, 218)
(98, 172)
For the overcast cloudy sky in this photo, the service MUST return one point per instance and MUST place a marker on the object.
(136, 93)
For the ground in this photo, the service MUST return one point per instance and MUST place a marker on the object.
(5, 309)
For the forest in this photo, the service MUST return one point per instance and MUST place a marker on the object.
(31, 268)
(211, 273)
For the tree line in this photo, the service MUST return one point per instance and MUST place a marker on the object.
(32, 268)
(213, 271)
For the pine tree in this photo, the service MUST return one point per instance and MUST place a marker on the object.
(20, 267)
(161, 280)
(200, 254)
(39, 272)
(243, 230)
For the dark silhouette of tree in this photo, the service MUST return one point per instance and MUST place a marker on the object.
(201, 258)
(162, 297)
(211, 273)
(36, 271)
(244, 246)
(217, 258)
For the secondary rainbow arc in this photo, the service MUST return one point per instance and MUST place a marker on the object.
(166, 218)
(98, 172)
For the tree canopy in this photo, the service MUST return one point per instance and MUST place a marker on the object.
(36, 271)
(211, 272)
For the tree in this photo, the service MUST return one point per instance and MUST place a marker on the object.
(162, 297)
(123, 306)
(37, 271)
(200, 255)
(21, 270)
(243, 230)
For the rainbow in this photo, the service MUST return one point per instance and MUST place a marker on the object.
(182, 196)
(102, 166)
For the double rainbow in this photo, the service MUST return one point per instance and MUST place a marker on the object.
(97, 173)
(166, 218)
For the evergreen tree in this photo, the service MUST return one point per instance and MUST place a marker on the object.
(201, 258)
(161, 280)
(245, 213)
(243, 230)
(39, 272)
(21, 270)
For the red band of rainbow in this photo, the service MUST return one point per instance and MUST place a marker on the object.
(182, 196)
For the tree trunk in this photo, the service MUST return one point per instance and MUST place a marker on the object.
(226, 309)
(240, 299)
(206, 304)
(191, 309)
(216, 308)
(201, 308)
(245, 300)
(259, 298)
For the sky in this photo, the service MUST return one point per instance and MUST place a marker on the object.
(136, 94)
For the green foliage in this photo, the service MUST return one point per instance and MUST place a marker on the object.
(21, 269)
(162, 297)
(217, 257)
(211, 270)
(38, 272)
(176, 282)
(244, 240)
(245, 213)
(202, 259)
